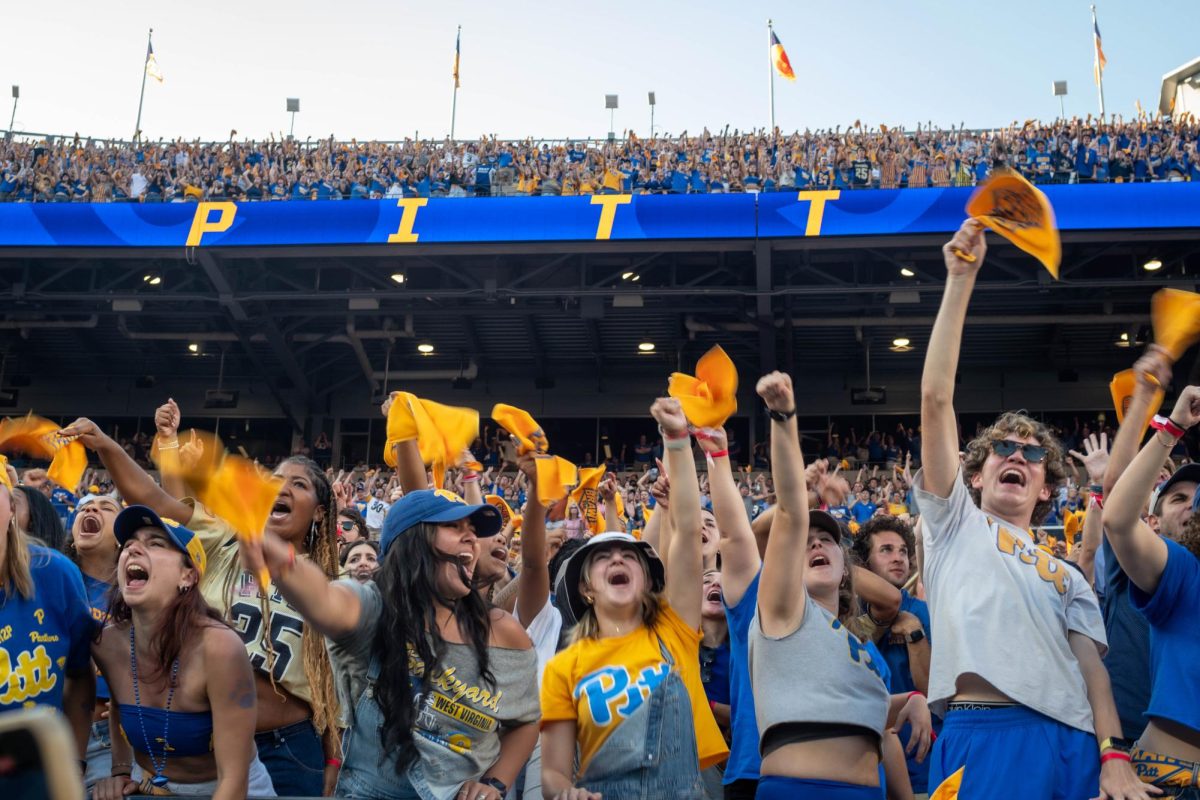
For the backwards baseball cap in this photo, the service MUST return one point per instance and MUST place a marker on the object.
(567, 596)
(134, 518)
(1188, 472)
(436, 505)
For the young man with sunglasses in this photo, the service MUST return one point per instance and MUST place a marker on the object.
(1019, 632)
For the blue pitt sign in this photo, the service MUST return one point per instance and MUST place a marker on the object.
(566, 219)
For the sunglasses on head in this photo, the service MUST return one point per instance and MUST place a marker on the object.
(347, 525)
(1033, 453)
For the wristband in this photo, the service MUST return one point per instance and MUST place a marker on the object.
(170, 446)
(333, 762)
(1161, 423)
(677, 444)
(1114, 755)
(672, 436)
(1098, 499)
(719, 454)
(910, 694)
(466, 478)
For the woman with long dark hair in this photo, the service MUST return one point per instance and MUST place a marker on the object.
(440, 690)
(297, 736)
(37, 519)
(176, 672)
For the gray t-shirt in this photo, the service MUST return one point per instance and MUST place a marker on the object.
(1002, 608)
(460, 720)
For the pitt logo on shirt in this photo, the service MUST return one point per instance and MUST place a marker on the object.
(1048, 567)
(610, 691)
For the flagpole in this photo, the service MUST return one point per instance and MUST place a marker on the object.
(454, 102)
(137, 128)
(771, 76)
(1099, 69)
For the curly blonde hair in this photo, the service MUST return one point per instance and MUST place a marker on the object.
(1019, 424)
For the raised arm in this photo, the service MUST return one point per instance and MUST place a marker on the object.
(1141, 552)
(1125, 446)
(134, 484)
(739, 551)
(166, 422)
(684, 564)
(1095, 460)
(533, 589)
(781, 593)
(939, 436)
(410, 469)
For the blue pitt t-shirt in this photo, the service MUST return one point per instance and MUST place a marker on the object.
(901, 682)
(744, 761)
(1128, 656)
(44, 637)
(97, 593)
(1174, 638)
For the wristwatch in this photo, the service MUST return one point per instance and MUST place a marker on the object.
(1116, 743)
(496, 784)
(781, 416)
(915, 636)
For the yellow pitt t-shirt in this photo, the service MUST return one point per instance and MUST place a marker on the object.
(598, 683)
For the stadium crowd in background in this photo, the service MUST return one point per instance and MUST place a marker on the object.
(888, 619)
(72, 169)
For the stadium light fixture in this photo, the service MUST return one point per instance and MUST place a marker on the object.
(646, 347)
(152, 279)
(1153, 265)
(194, 348)
(425, 349)
(901, 344)
(398, 277)
(1123, 340)
(908, 273)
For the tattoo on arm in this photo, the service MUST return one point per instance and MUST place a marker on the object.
(243, 694)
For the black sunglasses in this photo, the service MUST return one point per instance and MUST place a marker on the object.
(1033, 453)
(347, 525)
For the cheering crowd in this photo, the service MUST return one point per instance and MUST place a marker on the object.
(525, 638)
(1063, 151)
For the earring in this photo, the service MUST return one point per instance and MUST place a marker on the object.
(587, 599)
(184, 589)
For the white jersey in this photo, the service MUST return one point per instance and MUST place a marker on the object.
(376, 511)
(1001, 608)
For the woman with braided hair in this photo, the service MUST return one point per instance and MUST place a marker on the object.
(296, 730)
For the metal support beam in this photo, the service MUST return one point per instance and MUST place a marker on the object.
(240, 321)
(768, 359)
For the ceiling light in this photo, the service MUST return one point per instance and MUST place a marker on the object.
(626, 276)
(646, 347)
(900, 341)
(398, 277)
(636, 277)
(1123, 340)
(425, 349)
(193, 348)
(1153, 265)
(152, 278)
(908, 273)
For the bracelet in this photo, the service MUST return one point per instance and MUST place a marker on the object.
(172, 446)
(333, 762)
(672, 436)
(910, 694)
(677, 444)
(466, 478)
(1114, 755)
(719, 454)
(291, 561)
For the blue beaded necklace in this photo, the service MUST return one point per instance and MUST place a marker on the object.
(159, 778)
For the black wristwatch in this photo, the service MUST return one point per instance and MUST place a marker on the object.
(781, 416)
(915, 636)
(496, 784)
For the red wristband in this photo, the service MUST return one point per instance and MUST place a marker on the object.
(672, 437)
(1114, 755)
(712, 704)
(910, 694)
(719, 454)
(1161, 423)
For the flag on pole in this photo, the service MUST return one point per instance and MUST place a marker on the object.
(152, 64)
(780, 60)
(1100, 61)
(457, 54)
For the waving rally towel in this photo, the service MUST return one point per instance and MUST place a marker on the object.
(709, 398)
(1175, 316)
(442, 432)
(1020, 212)
(1122, 386)
(586, 497)
(38, 437)
(506, 512)
(554, 475)
(231, 487)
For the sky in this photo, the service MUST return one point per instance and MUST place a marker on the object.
(370, 69)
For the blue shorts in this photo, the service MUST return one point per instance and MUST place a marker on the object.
(1014, 752)
(774, 787)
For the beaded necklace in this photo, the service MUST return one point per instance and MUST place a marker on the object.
(159, 778)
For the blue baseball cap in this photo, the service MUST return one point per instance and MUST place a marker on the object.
(134, 518)
(436, 505)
